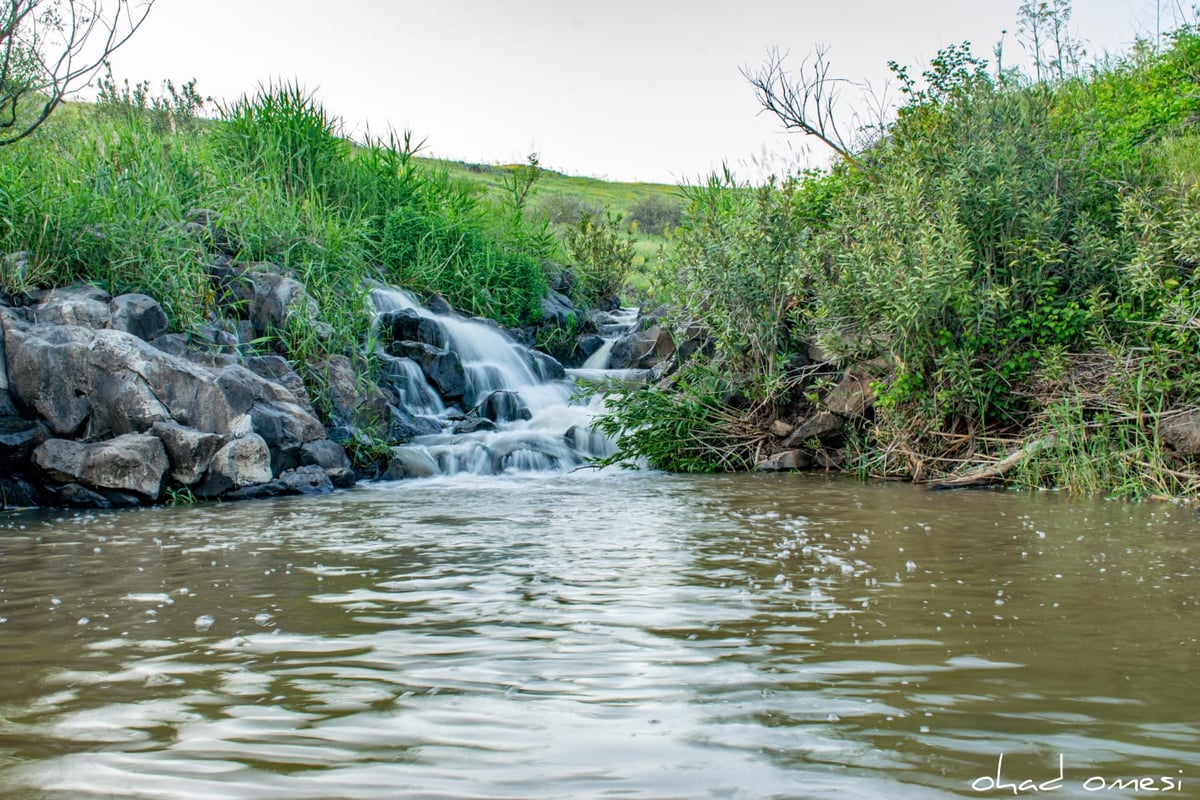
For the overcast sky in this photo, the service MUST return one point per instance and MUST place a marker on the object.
(644, 90)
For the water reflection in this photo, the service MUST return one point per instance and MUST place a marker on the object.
(599, 634)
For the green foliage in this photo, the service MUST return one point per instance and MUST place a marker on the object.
(656, 214)
(102, 195)
(735, 268)
(1001, 226)
(602, 253)
(690, 428)
(284, 134)
(168, 112)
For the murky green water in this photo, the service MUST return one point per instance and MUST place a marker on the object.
(604, 635)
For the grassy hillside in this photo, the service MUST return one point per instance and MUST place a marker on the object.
(648, 210)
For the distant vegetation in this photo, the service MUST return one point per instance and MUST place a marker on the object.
(1020, 251)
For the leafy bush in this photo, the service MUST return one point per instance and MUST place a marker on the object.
(655, 214)
(602, 252)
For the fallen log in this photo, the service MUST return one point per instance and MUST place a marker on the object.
(993, 473)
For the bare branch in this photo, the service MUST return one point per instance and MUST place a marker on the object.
(807, 103)
(53, 48)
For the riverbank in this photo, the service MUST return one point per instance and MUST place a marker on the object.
(999, 286)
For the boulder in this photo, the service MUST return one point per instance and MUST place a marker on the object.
(1180, 431)
(545, 367)
(404, 427)
(854, 396)
(443, 368)
(275, 298)
(504, 406)
(240, 463)
(355, 401)
(330, 457)
(785, 462)
(821, 425)
(588, 344)
(406, 325)
(300, 481)
(277, 370)
(642, 349)
(410, 462)
(559, 311)
(137, 314)
(60, 460)
(86, 306)
(133, 463)
(48, 373)
(190, 452)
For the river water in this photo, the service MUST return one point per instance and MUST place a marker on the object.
(603, 634)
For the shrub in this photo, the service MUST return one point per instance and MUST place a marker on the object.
(655, 214)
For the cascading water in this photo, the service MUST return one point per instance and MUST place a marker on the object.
(491, 405)
(612, 325)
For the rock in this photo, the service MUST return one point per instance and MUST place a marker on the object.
(443, 368)
(780, 429)
(60, 459)
(18, 438)
(16, 492)
(818, 426)
(410, 462)
(134, 462)
(10, 415)
(661, 345)
(564, 281)
(205, 225)
(213, 338)
(240, 463)
(642, 349)
(48, 372)
(853, 396)
(559, 311)
(301, 481)
(404, 427)
(406, 325)
(504, 406)
(545, 367)
(331, 458)
(355, 400)
(309, 479)
(276, 298)
(588, 344)
(785, 462)
(277, 370)
(189, 452)
(1180, 431)
(438, 305)
(77, 496)
(174, 344)
(86, 306)
(138, 315)
(131, 463)
(473, 424)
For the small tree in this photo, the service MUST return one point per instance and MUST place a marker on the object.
(52, 48)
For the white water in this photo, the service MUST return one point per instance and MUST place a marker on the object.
(612, 326)
(558, 435)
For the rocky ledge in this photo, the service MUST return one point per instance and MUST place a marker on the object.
(100, 406)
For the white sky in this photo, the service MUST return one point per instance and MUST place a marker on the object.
(644, 90)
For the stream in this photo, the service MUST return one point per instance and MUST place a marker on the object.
(596, 634)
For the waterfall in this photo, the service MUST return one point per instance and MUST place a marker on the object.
(495, 405)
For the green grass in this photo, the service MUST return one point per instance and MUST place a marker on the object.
(557, 192)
